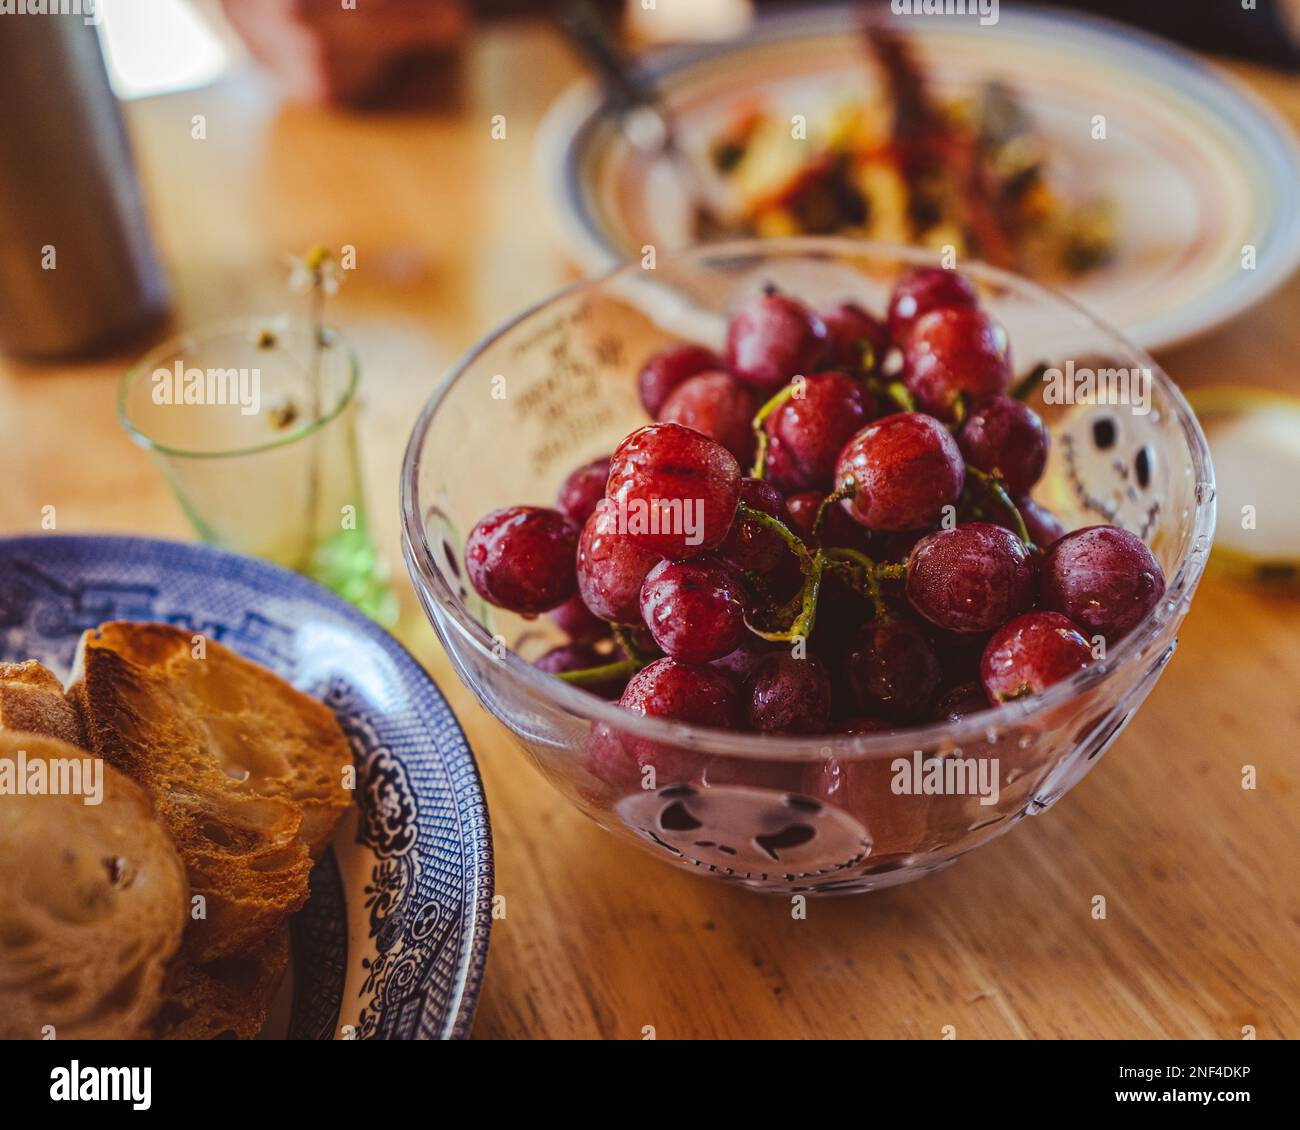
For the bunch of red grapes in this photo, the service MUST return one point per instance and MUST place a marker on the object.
(828, 529)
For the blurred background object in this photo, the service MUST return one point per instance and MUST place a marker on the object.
(77, 261)
(165, 45)
(320, 52)
(325, 51)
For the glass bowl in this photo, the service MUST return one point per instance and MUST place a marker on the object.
(556, 387)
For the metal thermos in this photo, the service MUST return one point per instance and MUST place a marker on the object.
(78, 267)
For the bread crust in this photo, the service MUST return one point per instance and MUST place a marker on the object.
(32, 702)
(224, 999)
(245, 771)
(92, 905)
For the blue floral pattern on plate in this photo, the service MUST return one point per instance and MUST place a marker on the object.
(393, 941)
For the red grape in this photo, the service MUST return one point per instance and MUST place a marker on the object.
(959, 653)
(862, 724)
(849, 331)
(610, 761)
(898, 825)
(808, 431)
(668, 368)
(719, 406)
(893, 672)
(970, 578)
(1029, 654)
(1006, 438)
(1103, 578)
(741, 662)
(960, 701)
(521, 558)
(752, 548)
(584, 487)
(921, 290)
(695, 609)
(773, 339)
(674, 490)
(904, 470)
(578, 622)
(577, 657)
(1045, 529)
(955, 353)
(681, 692)
(611, 568)
(838, 529)
(788, 695)
(896, 547)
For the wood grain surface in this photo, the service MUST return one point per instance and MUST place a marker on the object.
(1201, 877)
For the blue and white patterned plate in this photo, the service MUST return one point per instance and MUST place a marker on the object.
(393, 940)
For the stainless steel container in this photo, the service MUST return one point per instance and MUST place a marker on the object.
(78, 267)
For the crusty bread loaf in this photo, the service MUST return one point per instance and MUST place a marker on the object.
(31, 701)
(92, 903)
(245, 772)
(226, 998)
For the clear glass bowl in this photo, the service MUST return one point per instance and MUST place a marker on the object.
(556, 387)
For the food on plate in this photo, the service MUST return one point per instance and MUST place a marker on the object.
(31, 700)
(879, 564)
(244, 771)
(912, 164)
(225, 998)
(238, 774)
(93, 900)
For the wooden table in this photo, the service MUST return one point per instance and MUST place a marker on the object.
(1201, 877)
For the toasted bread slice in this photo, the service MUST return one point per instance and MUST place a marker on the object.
(246, 772)
(92, 899)
(31, 701)
(226, 998)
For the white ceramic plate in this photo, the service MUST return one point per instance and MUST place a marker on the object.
(1198, 169)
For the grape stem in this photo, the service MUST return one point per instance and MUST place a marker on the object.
(864, 574)
(812, 565)
(792, 540)
(619, 669)
(802, 625)
(760, 432)
(960, 410)
(896, 391)
(627, 641)
(993, 488)
(839, 494)
(1032, 380)
(606, 672)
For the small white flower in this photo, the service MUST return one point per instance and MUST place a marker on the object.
(318, 268)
